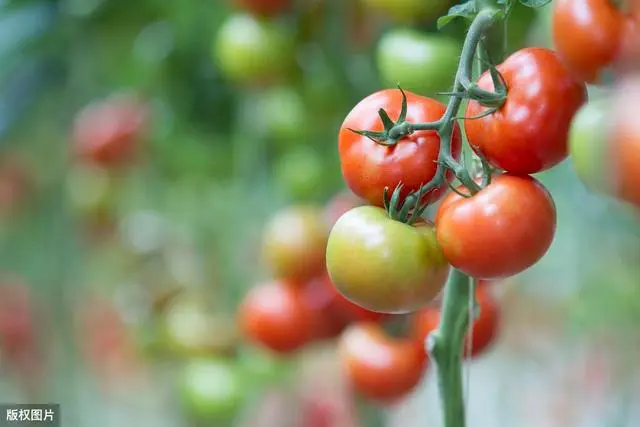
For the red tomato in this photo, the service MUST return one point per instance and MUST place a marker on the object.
(501, 231)
(624, 149)
(380, 367)
(264, 7)
(276, 316)
(587, 35)
(108, 132)
(369, 167)
(529, 132)
(484, 328)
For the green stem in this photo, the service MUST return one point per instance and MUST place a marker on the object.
(445, 346)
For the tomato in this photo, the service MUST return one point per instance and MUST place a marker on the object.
(264, 7)
(15, 184)
(380, 367)
(250, 50)
(109, 132)
(369, 167)
(300, 173)
(92, 190)
(588, 144)
(501, 231)
(333, 312)
(528, 133)
(588, 35)
(384, 265)
(625, 141)
(276, 316)
(283, 116)
(190, 329)
(212, 389)
(419, 62)
(408, 10)
(294, 243)
(484, 329)
(340, 204)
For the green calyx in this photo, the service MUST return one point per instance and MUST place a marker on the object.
(408, 210)
(393, 131)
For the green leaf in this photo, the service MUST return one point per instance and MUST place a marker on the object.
(535, 3)
(465, 10)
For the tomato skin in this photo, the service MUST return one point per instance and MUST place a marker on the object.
(248, 50)
(587, 35)
(528, 134)
(378, 366)
(212, 389)
(407, 11)
(588, 145)
(625, 142)
(276, 316)
(485, 326)
(499, 232)
(423, 63)
(264, 7)
(369, 167)
(108, 132)
(294, 243)
(384, 265)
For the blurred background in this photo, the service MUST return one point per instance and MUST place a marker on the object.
(144, 146)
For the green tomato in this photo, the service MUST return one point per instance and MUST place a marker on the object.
(213, 389)
(91, 189)
(408, 10)
(419, 62)
(250, 50)
(384, 265)
(588, 144)
(300, 173)
(263, 367)
(283, 114)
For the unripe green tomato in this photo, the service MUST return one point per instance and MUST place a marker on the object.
(283, 114)
(262, 367)
(250, 50)
(213, 389)
(384, 265)
(299, 173)
(588, 146)
(408, 10)
(419, 62)
(91, 189)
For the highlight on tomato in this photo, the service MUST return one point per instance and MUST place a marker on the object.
(528, 133)
(385, 265)
(368, 166)
(499, 232)
(381, 367)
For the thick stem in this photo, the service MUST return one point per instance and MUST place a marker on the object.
(445, 346)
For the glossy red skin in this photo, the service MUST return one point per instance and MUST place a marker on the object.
(369, 167)
(499, 232)
(588, 35)
(264, 7)
(108, 132)
(378, 366)
(276, 316)
(529, 133)
(485, 326)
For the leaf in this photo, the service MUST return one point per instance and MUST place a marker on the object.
(535, 3)
(465, 10)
